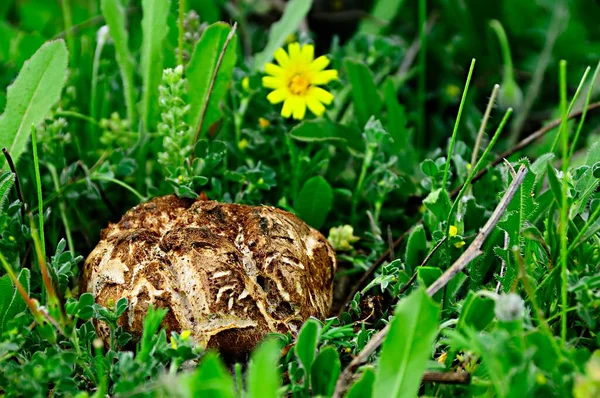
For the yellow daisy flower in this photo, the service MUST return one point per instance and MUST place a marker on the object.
(296, 79)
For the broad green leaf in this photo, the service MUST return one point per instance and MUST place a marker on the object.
(477, 312)
(325, 372)
(363, 388)
(295, 11)
(212, 379)
(365, 97)
(115, 17)
(396, 126)
(151, 325)
(324, 130)
(314, 201)
(154, 32)
(209, 73)
(16, 304)
(407, 347)
(7, 180)
(382, 14)
(6, 295)
(554, 183)
(416, 248)
(264, 379)
(520, 210)
(439, 203)
(306, 345)
(32, 95)
(428, 275)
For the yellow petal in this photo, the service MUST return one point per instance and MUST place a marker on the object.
(308, 53)
(288, 107)
(281, 57)
(318, 93)
(315, 106)
(272, 82)
(294, 50)
(278, 95)
(272, 69)
(299, 108)
(325, 76)
(319, 64)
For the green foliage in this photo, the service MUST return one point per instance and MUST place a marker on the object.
(314, 201)
(407, 346)
(155, 29)
(209, 74)
(29, 99)
(374, 166)
(263, 377)
(295, 11)
(116, 19)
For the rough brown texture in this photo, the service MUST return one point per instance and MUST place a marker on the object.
(228, 273)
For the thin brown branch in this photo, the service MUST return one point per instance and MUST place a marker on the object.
(472, 252)
(13, 169)
(211, 87)
(447, 377)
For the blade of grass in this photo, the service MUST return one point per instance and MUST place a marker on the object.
(585, 109)
(563, 102)
(422, 70)
(477, 167)
(456, 124)
(38, 183)
(564, 210)
(116, 19)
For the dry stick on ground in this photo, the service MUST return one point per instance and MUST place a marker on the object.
(13, 169)
(447, 377)
(424, 263)
(472, 252)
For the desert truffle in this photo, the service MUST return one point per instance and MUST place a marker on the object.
(228, 273)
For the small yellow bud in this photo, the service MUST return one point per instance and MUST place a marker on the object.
(263, 123)
(540, 378)
(422, 209)
(246, 83)
(243, 144)
(460, 244)
(290, 38)
(469, 167)
(442, 358)
(452, 90)
(173, 343)
(11, 238)
(185, 334)
(452, 231)
(261, 181)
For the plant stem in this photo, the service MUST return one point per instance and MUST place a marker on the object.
(181, 31)
(476, 168)
(121, 183)
(564, 210)
(505, 48)
(422, 72)
(38, 183)
(62, 208)
(571, 105)
(456, 124)
(486, 116)
(102, 36)
(68, 24)
(369, 153)
(585, 109)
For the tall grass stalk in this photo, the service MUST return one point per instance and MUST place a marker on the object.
(457, 123)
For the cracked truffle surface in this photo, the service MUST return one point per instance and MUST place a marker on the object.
(228, 273)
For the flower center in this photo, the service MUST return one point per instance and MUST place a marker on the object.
(299, 85)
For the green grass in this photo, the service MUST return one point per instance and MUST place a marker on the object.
(170, 101)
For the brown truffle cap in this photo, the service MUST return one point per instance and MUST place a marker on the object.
(228, 273)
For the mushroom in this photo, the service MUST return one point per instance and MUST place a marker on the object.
(228, 273)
